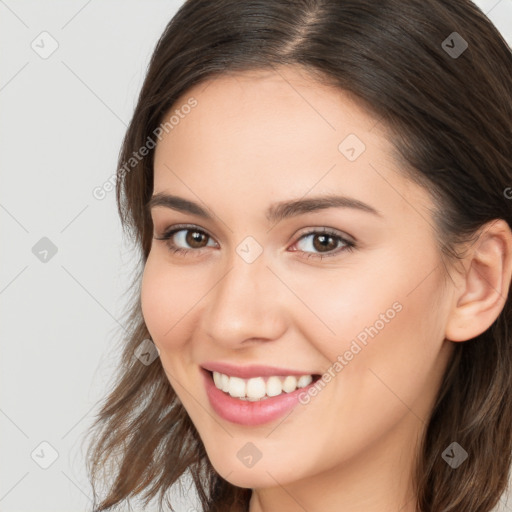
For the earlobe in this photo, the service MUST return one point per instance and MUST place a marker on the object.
(485, 284)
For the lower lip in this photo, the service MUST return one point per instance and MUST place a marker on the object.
(245, 412)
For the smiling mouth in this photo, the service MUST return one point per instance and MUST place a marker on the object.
(262, 387)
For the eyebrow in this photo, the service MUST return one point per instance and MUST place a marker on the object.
(274, 213)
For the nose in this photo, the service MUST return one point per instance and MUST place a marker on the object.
(246, 304)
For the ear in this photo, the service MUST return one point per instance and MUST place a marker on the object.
(483, 286)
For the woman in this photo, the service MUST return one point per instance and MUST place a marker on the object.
(320, 191)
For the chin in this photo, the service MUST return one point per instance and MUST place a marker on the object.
(262, 474)
(250, 478)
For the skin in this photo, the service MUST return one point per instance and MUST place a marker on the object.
(256, 138)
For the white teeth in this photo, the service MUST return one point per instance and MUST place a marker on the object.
(236, 387)
(217, 378)
(290, 384)
(256, 388)
(304, 381)
(224, 381)
(274, 386)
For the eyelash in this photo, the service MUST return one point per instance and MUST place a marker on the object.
(348, 245)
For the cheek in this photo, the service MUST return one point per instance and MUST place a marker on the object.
(164, 301)
(353, 304)
(385, 359)
(390, 322)
(391, 349)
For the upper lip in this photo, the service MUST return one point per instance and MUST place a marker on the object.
(255, 370)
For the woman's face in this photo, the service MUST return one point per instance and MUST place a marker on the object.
(252, 288)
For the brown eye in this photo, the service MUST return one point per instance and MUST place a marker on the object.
(195, 239)
(186, 239)
(323, 243)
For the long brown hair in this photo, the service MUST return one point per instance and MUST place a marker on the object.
(449, 109)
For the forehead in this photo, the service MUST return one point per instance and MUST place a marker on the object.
(275, 135)
(252, 102)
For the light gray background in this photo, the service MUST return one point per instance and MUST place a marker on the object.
(61, 125)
